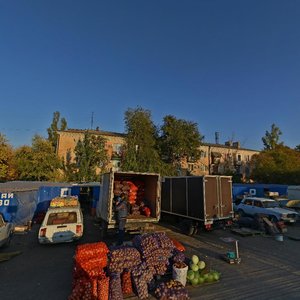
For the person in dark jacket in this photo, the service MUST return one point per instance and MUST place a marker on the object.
(122, 211)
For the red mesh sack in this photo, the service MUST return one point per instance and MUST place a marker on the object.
(126, 283)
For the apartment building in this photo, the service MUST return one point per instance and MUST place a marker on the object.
(215, 158)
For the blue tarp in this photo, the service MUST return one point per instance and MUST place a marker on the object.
(240, 189)
(18, 207)
(45, 194)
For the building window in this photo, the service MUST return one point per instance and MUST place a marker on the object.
(203, 168)
(191, 167)
(117, 148)
(203, 154)
(239, 157)
(116, 164)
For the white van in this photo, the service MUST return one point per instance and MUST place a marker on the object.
(61, 224)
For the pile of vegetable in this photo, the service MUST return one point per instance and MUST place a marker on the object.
(126, 283)
(123, 258)
(135, 190)
(156, 249)
(89, 278)
(102, 273)
(171, 290)
(198, 272)
(142, 276)
(115, 287)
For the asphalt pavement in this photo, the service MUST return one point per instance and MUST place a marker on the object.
(269, 269)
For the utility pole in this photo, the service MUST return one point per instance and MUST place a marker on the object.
(92, 120)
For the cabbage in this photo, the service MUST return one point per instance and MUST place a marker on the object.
(216, 275)
(210, 277)
(201, 280)
(196, 274)
(195, 281)
(195, 259)
(194, 267)
(190, 274)
(201, 265)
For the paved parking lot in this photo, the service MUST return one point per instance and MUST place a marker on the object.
(269, 269)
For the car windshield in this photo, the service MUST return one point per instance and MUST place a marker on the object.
(62, 218)
(270, 204)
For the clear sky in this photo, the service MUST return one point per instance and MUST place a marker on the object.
(231, 66)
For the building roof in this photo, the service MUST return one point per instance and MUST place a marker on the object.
(226, 146)
(98, 132)
(109, 133)
(22, 186)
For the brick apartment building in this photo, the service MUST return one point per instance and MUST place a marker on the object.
(215, 158)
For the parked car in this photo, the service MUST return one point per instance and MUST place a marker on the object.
(6, 231)
(252, 206)
(289, 204)
(61, 224)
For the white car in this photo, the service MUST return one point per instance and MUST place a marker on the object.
(6, 231)
(61, 225)
(252, 206)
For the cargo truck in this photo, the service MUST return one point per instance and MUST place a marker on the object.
(196, 202)
(142, 190)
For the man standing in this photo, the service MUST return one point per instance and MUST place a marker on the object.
(122, 211)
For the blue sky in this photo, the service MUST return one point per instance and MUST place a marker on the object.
(230, 66)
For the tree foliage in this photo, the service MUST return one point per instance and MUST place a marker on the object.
(280, 165)
(140, 152)
(90, 155)
(271, 139)
(180, 139)
(297, 148)
(7, 169)
(58, 123)
(38, 162)
(69, 168)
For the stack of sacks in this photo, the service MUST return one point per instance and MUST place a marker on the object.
(121, 262)
(122, 258)
(140, 194)
(156, 249)
(142, 276)
(135, 210)
(89, 279)
(115, 288)
(117, 188)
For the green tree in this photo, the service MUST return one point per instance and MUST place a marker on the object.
(271, 139)
(69, 168)
(38, 162)
(58, 123)
(140, 152)
(90, 156)
(297, 148)
(7, 169)
(180, 139)
(280, 165)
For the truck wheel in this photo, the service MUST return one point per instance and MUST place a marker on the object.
(187, 227)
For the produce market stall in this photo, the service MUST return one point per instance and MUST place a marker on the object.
(152, 266)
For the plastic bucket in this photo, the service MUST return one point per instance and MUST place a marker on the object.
(279, 237)
(180, 274)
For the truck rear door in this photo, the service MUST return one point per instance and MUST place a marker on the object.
(226, 209)
(104, 208)
(218, 197)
